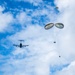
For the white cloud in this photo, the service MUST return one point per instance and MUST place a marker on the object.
(42, 52)
(34, 2)
(5, 19)
(1, 8)
(34, 16)
(67, 18)
(62, 4)
(66, 38)
(68, 70)
(23, 18)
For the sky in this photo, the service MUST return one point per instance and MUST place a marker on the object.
(25, 20)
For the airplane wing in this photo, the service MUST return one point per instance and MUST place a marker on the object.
(21, 40)
(24, 45)
(16, 45)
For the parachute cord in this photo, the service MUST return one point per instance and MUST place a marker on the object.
(56, 40)
(54, 34)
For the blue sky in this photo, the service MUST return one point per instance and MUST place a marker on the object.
(25, 19)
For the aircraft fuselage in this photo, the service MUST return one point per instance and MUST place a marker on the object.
(20, 45)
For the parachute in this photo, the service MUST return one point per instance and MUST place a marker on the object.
(59, 25)
(49, 25)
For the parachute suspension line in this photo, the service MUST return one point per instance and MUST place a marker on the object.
(58, 26)
(56, 32)
(54, 35)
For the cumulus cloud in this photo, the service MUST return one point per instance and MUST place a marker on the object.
(67, 70)
(5, 19)
(23, 18)
(40, 16)
(1, 8)
(66, 18)
(42, 54)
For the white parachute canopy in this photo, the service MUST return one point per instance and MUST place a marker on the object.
(59, 25)
(49, 25)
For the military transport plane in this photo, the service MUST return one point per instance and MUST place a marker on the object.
(20, 45)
